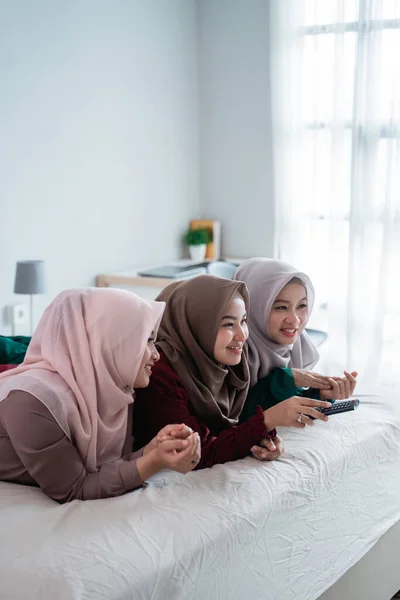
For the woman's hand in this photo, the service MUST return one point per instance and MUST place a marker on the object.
(268, 449)
(294, 412)
(341, 387)
(180, 455)
(169, 432)
(306, 379)
(176, 454)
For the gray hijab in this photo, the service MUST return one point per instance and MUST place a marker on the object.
(265, 278)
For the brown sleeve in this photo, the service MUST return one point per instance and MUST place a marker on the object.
(53, 461)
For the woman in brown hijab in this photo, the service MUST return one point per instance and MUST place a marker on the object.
(202, 377)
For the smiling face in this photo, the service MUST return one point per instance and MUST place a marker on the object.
(150, 356)
(289, 314)
(232, 333)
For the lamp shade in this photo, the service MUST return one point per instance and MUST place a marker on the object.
(29, 277)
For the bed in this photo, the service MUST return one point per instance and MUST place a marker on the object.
(321, 522)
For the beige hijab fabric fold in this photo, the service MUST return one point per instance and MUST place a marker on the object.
(187, 334)
(265, 277)
(82, 363)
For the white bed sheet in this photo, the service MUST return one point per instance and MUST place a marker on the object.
(276, 531)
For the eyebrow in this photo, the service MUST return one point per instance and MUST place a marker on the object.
(287, 301)
(232, 317)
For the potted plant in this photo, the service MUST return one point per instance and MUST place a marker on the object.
(197, 240)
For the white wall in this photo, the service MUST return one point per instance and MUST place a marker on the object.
(235, 129)
(98, 136)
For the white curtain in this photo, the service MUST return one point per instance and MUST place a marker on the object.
(335, 81)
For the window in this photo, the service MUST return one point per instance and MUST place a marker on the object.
(340, 211)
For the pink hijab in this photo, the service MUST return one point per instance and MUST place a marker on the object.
(265, 277)
(82, 362)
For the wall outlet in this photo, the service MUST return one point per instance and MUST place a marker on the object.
(18, 314)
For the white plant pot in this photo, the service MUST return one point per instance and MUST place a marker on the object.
(198, 252)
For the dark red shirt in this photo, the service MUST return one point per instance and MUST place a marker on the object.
(166, 401)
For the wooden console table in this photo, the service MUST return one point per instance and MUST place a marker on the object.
(147, 287)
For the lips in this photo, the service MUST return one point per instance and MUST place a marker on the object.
(291, 333)
(235, 349)
(148, 368)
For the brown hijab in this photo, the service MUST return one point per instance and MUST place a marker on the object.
(187, 336)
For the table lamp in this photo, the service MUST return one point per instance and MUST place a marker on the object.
(30, 280)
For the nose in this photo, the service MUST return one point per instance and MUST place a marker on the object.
(240, 335)
(155, 355)
(292, 318)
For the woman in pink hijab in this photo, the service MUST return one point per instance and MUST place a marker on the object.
(65, 413)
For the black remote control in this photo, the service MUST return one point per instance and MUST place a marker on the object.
(339, 407)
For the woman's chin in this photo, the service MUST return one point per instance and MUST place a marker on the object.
(232, 361)
(142, 381)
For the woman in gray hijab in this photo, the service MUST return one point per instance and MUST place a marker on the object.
(281, 354)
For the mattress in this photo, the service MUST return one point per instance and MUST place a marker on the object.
(285, 530)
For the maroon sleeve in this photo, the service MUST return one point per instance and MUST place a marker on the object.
(165, 401)
(53, 461)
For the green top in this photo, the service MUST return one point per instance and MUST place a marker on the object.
(13, 349)
(278, 385)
